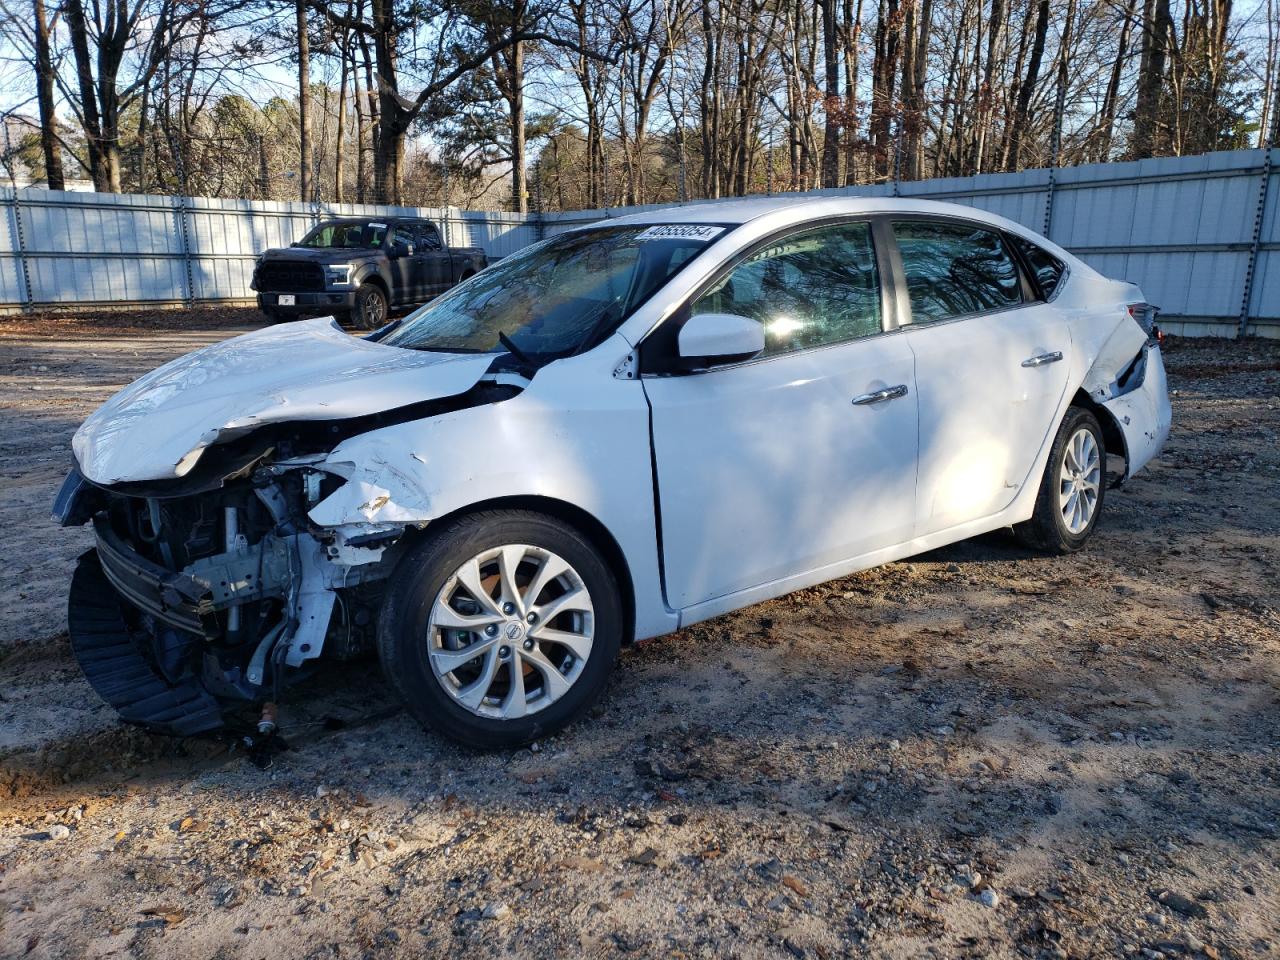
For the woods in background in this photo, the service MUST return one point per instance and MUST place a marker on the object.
(583, 103)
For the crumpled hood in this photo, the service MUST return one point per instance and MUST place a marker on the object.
(157, 427)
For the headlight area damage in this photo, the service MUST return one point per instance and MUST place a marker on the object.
(221, 586)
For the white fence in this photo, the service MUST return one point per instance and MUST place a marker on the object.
(1201, 235)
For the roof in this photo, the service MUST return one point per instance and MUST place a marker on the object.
(781, 212)
(742, 211)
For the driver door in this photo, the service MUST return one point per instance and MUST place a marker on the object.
(772, 470)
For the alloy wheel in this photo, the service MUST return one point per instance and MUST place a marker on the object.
(374, 309)
(1079, 480)
(510, 631)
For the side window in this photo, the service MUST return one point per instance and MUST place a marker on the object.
(429, 237)
(1045, 267)
(807, 290)
(954, 269)
(404, 233)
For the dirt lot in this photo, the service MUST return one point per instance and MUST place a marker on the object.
(978, 752)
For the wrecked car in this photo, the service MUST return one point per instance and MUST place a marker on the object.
(615, 433)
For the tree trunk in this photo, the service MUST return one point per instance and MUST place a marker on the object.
(883, 71)
(831, 74)
(915, 58)
(339, 194)
(1157, 25)
(89, 118)
(519, 175)
(53, 175)
(304, 104)
(1028, 84)
(1106, 122)
(393, 123)
(852, 36)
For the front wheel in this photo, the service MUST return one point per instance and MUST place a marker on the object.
(501, 628)
(371, 308)
(1072, 489)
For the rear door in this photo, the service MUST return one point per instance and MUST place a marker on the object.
(990, 367)
(802, 457)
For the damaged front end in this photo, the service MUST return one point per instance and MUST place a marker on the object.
(191, 602)
(230, 554)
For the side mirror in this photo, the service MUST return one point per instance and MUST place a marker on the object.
(401, 249)
(720, 337)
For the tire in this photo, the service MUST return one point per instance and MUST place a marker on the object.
(371, 307)
(478, 702)
(1049, 528)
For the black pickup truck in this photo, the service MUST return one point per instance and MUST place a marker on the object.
(358, 269)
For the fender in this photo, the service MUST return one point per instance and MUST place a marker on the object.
(548, 441)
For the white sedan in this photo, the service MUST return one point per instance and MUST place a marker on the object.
(619, 431)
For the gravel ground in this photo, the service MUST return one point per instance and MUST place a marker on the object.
(978, 752)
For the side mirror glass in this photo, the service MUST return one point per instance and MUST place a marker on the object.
(401, 249)
(720, 337)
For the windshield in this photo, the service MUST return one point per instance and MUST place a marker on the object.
(557, 297)
(356, 235)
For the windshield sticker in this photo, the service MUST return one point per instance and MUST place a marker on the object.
(681, 231)
(378, 226)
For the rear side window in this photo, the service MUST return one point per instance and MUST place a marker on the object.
(1045, 267)
(955, 269)
(807, 290)
(428, 236)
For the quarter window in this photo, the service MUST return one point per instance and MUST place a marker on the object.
(954, 269)
(807, 290)
(1045, 267)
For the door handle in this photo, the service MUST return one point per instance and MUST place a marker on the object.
(1042, 359)
(879, 396)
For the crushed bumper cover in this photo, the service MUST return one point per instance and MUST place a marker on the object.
(173, 598)
(1142, 411)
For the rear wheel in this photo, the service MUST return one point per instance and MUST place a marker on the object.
(1072, 488)
(371, 307)
(500, 629)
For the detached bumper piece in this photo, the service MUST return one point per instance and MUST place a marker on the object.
(172, 598)
(116, 669)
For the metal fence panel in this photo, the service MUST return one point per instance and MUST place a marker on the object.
(1181, 227)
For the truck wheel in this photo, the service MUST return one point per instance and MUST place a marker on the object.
(371, 307)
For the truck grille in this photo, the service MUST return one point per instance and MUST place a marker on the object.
(289, 276)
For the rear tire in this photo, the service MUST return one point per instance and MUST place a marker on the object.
(544, 645)
(370, 310)
(1072, 489)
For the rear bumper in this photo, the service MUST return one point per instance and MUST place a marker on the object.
(1143, 412)
(308, 303)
